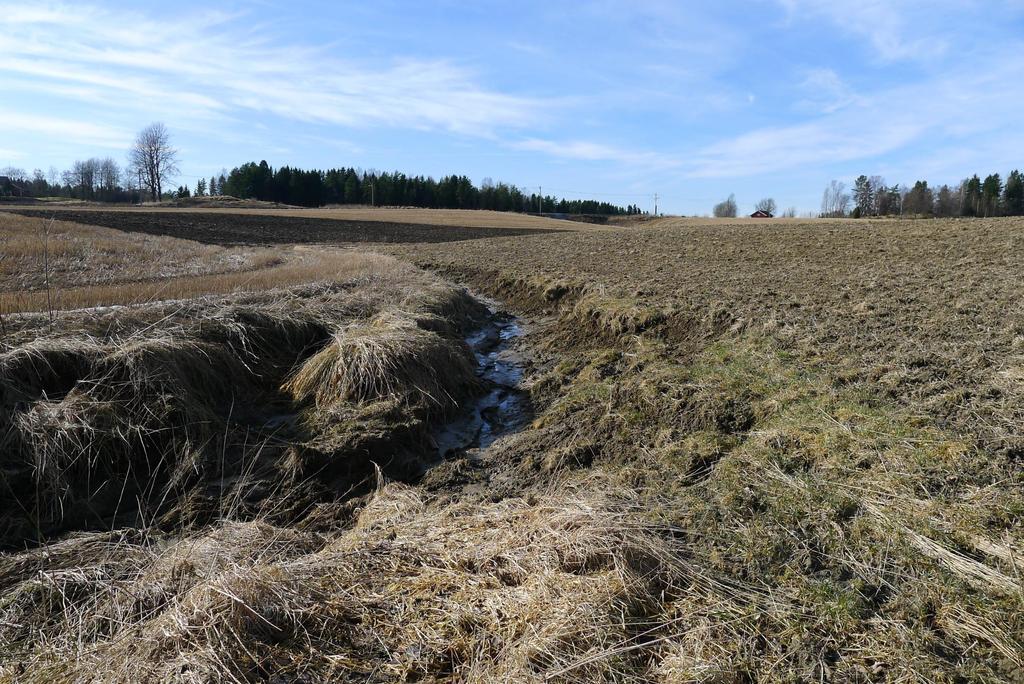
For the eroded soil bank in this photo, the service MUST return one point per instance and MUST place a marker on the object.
(187, 412)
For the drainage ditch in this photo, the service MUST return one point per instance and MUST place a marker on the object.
(503, 408)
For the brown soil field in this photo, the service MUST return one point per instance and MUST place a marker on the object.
(778, 451)
(405, 216)
(927, 312)
(232, 228)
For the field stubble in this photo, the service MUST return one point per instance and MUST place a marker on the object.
(927, 313)
(81, 255)
(781, 452)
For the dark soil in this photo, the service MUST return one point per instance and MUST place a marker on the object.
(926, 313)
(249, 229)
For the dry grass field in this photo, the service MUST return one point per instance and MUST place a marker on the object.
(70, 254)
(73, 264)
(757, 451)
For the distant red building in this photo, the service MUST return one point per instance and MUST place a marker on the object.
(761, 214)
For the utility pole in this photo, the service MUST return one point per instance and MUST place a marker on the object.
(140, 186)
(540, 199)
(373, 202)
(655, 204)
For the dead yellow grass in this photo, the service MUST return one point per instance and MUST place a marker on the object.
(704, 494)
(81, 256)
(569, 588)
(148, 399)
(298, 268)
(389, 355)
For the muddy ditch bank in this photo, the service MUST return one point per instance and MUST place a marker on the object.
(500, 405)
(237, 412)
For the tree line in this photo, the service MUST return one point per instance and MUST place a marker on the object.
(152, 163)
(873, 196)
(101, 180)
(974, 196)
(317, 188)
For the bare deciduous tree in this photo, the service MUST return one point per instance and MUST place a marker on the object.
(83, 176)
(109, 174)
(726, 209)
(767, 205)
(836, 201)
(154, 158)
(878, 188)
(14, 173)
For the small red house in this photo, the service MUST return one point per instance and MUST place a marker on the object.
(761, 214)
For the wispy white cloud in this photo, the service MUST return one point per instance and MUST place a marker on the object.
(582, 150)
(777, 149)
(58, 128)
(688, 31)
(211, 65)
(956, 106)
(681, 92)
(826, 92)
(896, 29)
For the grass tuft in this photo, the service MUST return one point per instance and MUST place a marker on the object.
(390, 355)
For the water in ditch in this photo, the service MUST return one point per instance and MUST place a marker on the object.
(503, 408)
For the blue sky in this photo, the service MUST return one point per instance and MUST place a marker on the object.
(611, 99)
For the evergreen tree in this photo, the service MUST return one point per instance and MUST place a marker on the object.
(1013, 194)
(991, 190)
(351, 186)
(920, 200)
(353, 193)
(947, 202)
(863, 196)
(971, 195)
